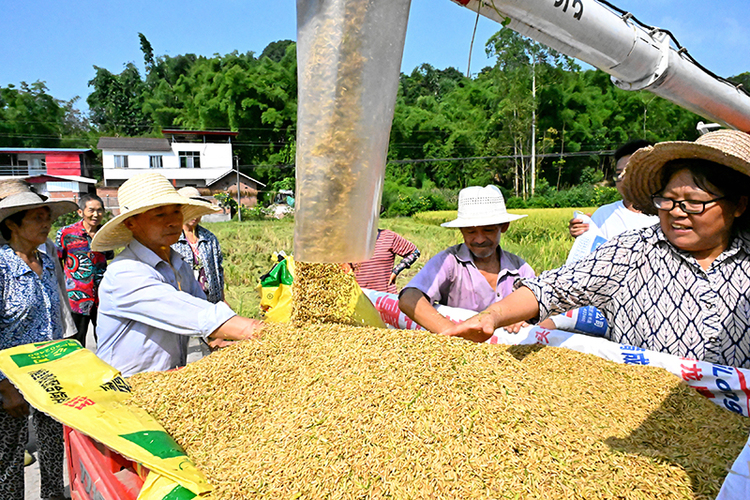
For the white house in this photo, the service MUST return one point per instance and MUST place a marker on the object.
(199, 158)
(186, 157)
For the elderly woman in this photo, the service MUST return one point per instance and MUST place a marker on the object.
(200, 248)
(680, 287)
(29, 312)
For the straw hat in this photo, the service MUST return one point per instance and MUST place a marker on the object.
(20, 200)
(193, 194)
(642, 176)
(13, 186)
(141, 193)
(481, 206)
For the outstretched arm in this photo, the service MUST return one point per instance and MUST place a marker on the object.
(520, 305)
(238, 328)
(415, 305)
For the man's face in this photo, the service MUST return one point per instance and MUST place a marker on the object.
(92, 213)
(483, 240)
(619, 169)
(157, 228)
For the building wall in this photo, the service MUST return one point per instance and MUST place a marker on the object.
(215, 161)
(64, 164)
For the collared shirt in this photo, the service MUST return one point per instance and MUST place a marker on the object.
(84, 268)
(452, 278)
(209, 259)
(658, 297)
(375, 272)
(147, 312)
(30, 307)
(615, 218)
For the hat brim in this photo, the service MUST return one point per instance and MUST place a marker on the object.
(483, 221)
(57, 208)
(642, 176)
(114, 234)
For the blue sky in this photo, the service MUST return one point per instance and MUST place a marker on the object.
(59, 42)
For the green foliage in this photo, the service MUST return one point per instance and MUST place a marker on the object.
(403, 201)
(449, 131)
(30, 117)
(542, 239)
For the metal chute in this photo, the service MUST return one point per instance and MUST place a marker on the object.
(636, 58)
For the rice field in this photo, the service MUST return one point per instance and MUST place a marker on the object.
(542, 239)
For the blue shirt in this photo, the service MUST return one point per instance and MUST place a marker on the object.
(147, 313)
(30, 307)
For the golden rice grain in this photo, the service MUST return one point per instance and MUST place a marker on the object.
(332, 411)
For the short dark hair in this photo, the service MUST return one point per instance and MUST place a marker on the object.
(631, 147)
(87, 198)
(17, 218)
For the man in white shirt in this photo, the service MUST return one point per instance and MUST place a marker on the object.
(620, 216)
(150, 302)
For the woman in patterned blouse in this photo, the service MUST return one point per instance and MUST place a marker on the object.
(681, 286)
(200, 248)
(29, 312)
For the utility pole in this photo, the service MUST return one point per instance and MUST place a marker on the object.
(239, 206)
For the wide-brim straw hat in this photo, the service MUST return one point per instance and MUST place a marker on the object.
(642, 176)
(481, 206)
(139, 194)
(28, 200)
(193, 194)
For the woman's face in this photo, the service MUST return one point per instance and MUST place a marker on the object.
(704, 235)
(192, 223)
(34, 227)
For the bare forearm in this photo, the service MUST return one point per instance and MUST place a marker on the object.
(238, 328)
(521, 305)
(415, 305)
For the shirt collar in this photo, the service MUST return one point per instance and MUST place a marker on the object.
(464, 255)
(148, 256)
(198, 233)
(17, 267)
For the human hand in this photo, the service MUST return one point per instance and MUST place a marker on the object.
(253, 329)
(13, 402)
(576, 227)
(392, 279)
(478, 328)
(215, 344)
(515, 327)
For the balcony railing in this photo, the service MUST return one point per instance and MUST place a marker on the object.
(21, 170)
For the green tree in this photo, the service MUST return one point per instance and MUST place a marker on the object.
(30, 117)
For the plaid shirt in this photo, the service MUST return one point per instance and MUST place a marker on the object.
(658, 297)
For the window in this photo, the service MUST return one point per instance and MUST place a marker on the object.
(121, 161)
(154, 161)
(190, 159)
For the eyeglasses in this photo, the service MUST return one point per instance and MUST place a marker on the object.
(617, 178)
(687, 206)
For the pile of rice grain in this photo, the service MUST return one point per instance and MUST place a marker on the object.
(342, 412)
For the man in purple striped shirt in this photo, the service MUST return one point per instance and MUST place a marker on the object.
(473, 274)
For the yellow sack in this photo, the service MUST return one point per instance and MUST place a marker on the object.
(275, 290)
(76, 388)
(276, 297)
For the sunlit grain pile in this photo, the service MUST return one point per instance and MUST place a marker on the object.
(331, 411)
(322, 294)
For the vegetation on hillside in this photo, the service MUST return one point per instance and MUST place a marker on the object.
(448, 131)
